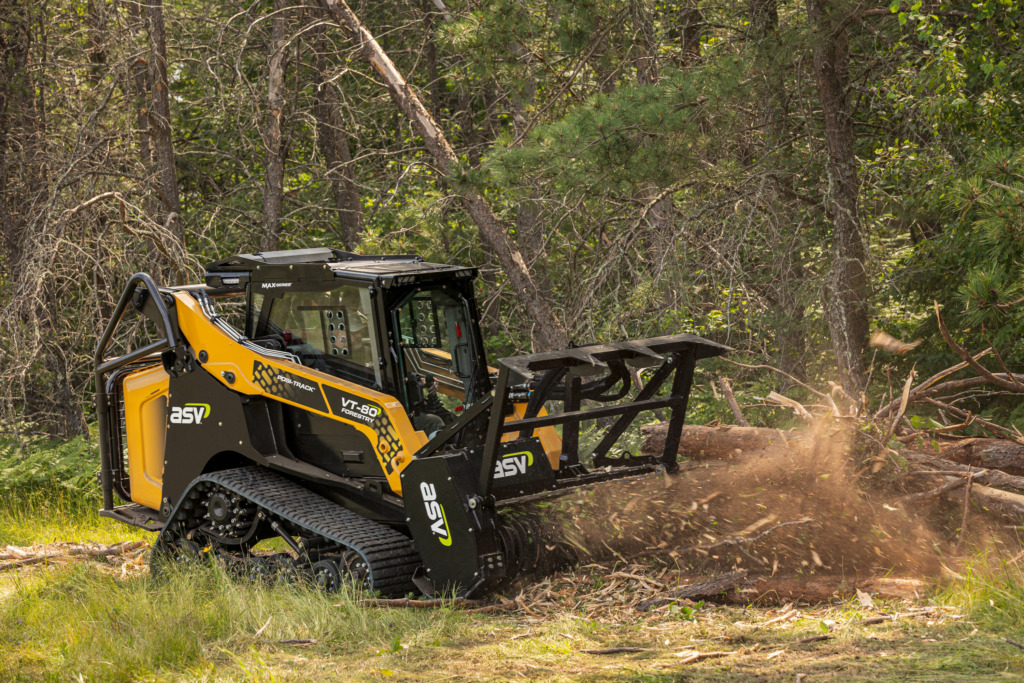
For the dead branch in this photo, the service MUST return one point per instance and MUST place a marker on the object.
(688, 657)
(788, 376)
(935, 492)
(1010, 383)
(991, 426)
(904, 400)
(27, 556)
(994, 501)
(967, 506)
(926, 387)
(795, 406)
(990, 477)
(731, 399)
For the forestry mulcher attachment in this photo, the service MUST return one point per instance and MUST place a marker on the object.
(344, 404)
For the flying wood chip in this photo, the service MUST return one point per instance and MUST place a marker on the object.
(889, 343)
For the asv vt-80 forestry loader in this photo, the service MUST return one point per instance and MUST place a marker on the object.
(353, 414)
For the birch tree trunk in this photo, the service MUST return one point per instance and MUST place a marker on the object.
(549, 333)
(846, 310)
(273, 181)
(161, 142)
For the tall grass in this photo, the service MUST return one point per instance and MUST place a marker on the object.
(79, 621)
(992, 592)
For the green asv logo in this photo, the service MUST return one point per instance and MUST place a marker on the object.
(435, 512)
(190, 413)
(512, 464)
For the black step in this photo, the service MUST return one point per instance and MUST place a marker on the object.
(136, 515)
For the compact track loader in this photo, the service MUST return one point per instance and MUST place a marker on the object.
(344, 404)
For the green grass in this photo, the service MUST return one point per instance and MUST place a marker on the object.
(77, 620)
(86, 621)
(80, 623)
(28, 517)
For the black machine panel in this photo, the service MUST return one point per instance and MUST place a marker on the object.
(521, 469)
(204, 419)
(449, 535)
(288, 386)
(330, 444)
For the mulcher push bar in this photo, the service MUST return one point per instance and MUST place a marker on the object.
(560, 375)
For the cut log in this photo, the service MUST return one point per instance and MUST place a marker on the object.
(924, 461)
(710, 443)
(1005, 504)
(990, 454)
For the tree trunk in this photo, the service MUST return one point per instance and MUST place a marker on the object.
(142, 85)
(549, 332)
(993, 454)
(161, 140)
(273, 181)
(764, 18)
(645, 42)
(660, 217)
(430, 8)
(846, 309)
(691, 33)
(333, 139)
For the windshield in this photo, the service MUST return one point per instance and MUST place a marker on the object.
(437, 345)
(330, 331)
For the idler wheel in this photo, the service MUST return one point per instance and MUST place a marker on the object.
(327, 575)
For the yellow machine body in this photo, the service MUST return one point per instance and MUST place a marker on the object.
(146, 394)
(145, 418)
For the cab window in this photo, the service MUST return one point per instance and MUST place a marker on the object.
(331, 331)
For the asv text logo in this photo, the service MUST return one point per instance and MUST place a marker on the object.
(512, 464)
(435, 511)
(191, 413)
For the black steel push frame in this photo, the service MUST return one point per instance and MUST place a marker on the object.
(543, 380)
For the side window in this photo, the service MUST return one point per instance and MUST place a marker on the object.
(252, 315)
(350, 327)
(331, 331)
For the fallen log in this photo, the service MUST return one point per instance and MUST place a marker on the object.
(785, 589)
(991, 454)
(421, 604)
(709, 443)
(1007, 504)
(927, 461)
(736, 588)
(710, 589)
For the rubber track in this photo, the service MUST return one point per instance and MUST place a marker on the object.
(388, 554)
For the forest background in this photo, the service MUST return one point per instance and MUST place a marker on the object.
(780, 177)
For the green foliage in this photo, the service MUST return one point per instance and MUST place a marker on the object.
(41, 463)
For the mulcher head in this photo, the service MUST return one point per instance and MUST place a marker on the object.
(460, 498)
